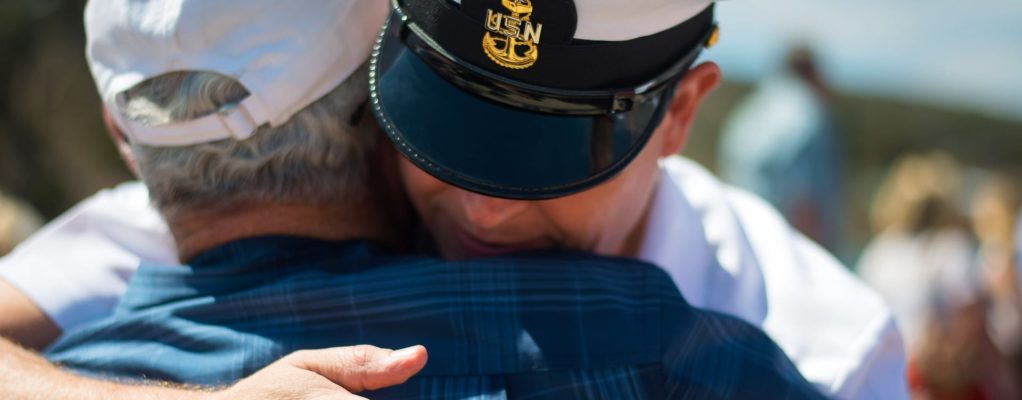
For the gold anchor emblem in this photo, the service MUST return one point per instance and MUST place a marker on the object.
(512, 39)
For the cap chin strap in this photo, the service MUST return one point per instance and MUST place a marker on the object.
(238, 122)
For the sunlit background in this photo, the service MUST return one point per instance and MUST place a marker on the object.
(913, 156)
(933, 87)
(908, 76)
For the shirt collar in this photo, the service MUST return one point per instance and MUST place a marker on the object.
(249, 262)
(699, 239)
(675, 241)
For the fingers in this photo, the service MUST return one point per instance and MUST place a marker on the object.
(363, 367)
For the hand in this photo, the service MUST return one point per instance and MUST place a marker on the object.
(329, 374)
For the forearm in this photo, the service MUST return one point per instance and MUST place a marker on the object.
(27, 376)
(22, 321)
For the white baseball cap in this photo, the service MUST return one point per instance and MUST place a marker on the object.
(286, 53)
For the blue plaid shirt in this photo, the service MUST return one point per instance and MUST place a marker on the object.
(538, 326)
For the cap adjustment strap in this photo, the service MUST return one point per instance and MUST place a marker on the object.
(235, 122)
(238, 122)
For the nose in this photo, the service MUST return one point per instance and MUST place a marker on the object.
(485, 212)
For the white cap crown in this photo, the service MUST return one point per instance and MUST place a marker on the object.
(286, 53)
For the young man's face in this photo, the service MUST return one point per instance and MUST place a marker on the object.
(604, 219)
(607, 219)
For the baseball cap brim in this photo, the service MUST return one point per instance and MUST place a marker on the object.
(494, 149)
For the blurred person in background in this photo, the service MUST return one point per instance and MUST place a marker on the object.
(1016, 358)
(970, 350)
(17, 221)
(1018, 273)
(922, 255)
(783, 143)
(995, 210)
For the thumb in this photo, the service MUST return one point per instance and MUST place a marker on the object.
(362, 367)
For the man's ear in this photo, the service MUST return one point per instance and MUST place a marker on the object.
(117, 135)
(698, 83)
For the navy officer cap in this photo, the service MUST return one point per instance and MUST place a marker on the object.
(531, 99)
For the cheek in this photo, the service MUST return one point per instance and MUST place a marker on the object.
(422, 188)
(601, 218)
(577, 217)
(586, 219)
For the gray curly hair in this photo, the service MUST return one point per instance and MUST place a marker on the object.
(319, 156)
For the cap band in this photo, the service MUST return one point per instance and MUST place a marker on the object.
(533, 97)
(574, 65)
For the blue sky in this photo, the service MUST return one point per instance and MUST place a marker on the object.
(953, 53)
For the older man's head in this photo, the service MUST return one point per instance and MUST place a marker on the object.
(242, 117)
(319, 156)
(223, 104)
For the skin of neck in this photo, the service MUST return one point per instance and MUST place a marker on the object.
(383, 214)
(197, 230)
(633, 242)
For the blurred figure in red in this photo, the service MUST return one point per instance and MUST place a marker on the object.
(921, 259)
(972, 351)
(995, 212)
(1018, 278)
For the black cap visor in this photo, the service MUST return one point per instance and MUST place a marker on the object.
(467, 139)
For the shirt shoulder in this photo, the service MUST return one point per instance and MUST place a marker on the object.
(839, 331)
(76, 267)
(825, 315)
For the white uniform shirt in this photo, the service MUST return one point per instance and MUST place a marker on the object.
(726, 250)
(76, 267)
(730, 252)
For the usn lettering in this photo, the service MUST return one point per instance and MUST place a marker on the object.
(513, 27)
